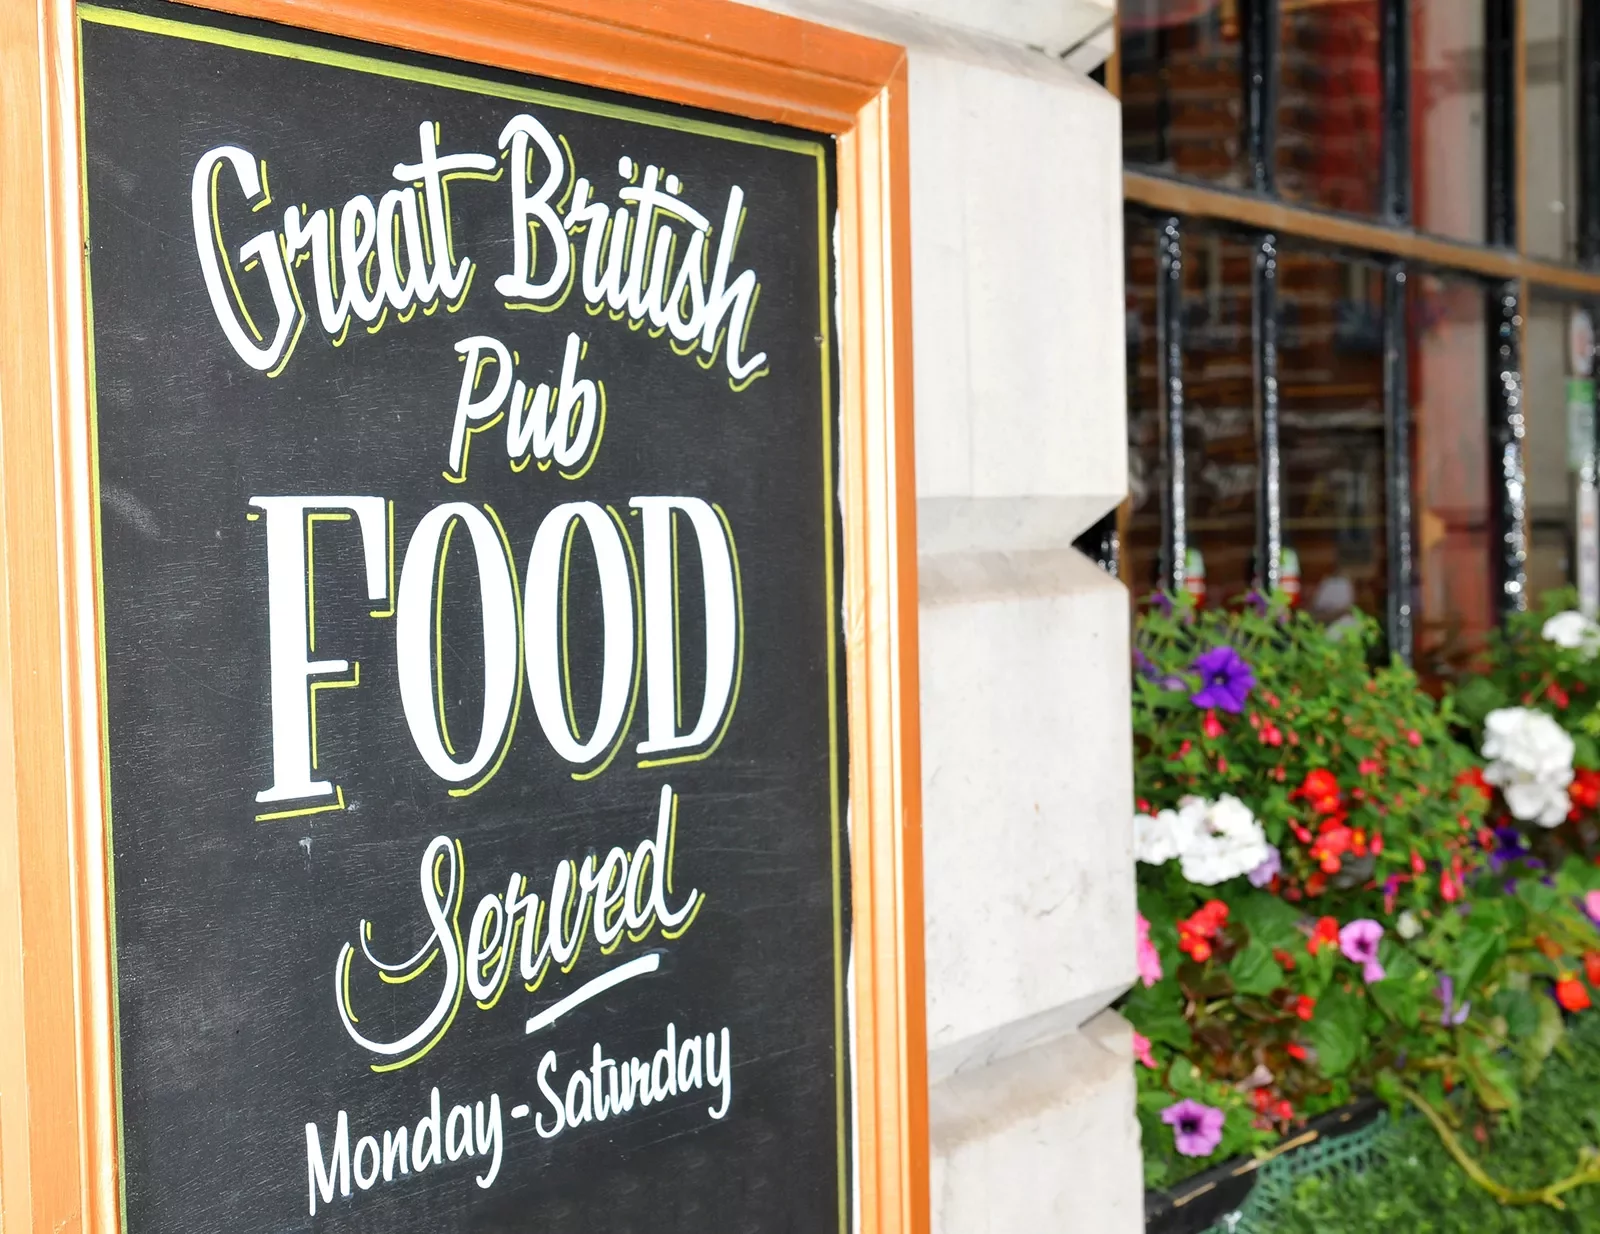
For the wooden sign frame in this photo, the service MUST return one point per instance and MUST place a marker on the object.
(58, 1077)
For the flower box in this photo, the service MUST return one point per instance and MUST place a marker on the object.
(1200, 1202)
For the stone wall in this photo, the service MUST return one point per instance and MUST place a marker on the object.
(1027, 769)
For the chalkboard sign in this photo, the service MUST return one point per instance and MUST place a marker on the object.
(470, 599)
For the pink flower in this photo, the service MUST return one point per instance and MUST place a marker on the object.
(1141, 1049)
(1196, 1128)
(1591, 905)
(1359, 942)
(1149, 957)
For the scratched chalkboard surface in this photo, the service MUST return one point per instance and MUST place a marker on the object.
(470, 591)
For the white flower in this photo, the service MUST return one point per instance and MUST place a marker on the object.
(1227, 843)
(1158, 839)
(1407, 926)
(1573, 631)
(1530, 761)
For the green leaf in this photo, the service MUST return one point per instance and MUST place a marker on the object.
(1186, 1079)
(1399, 999)
(1335, 1030)
(1538, 1045)
(1269, 919)
(1254, 970)
(1157, 1012)
(1478, 948)
(1490, 1077)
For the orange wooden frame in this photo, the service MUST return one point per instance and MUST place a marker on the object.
(58, 1150)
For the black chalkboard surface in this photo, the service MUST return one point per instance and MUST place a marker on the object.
(470, 605)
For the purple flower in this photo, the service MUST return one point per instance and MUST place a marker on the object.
(1451, 1016)
(1258, 601)
(1509, 846)
(1143, 664)
(1359, 942)
(1196, 1128)
(1225, 680)
(1268, 869)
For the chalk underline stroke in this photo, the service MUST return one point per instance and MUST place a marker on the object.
(590, 989)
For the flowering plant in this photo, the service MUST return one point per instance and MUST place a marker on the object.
(1322, 911)
(1533, 710)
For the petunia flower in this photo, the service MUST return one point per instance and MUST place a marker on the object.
(1225, 680)
(1268, 870)
(1149, 957)
(1530, 761)
(1141, 1050)
(1359, 942)
(1196, 1128)
(1573, 631)
(1591, 905)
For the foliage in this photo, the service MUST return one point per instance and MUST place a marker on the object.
(1267, 1008)
(1415, 1186)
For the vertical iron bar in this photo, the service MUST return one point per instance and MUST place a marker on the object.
(1588, 134)
(1169, 361)
(1500, 120)
(1259, 52)
(1394, 50)
(1507, 493)
(1397, 454)
(1269, 499)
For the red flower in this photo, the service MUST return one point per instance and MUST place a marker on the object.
(1197, 930)
(1558, 696)
(1325, 934)
(1584, 791)
(1473, 777)
(1572, 994)
(1271, 734)
(1283, 1110)
(1211, 726)
(1320, 790)
(1296, 1050)
(1377, 842)
(1283, 958)
(1591, 967)
(1331, 846)
(1414, 737)
(1369, 767)
(1305, 1006)
(1213, 913)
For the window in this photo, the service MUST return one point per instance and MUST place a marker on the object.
(1370, 380)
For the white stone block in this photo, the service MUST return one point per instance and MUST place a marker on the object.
(1041, 1141)
(1027, 785)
